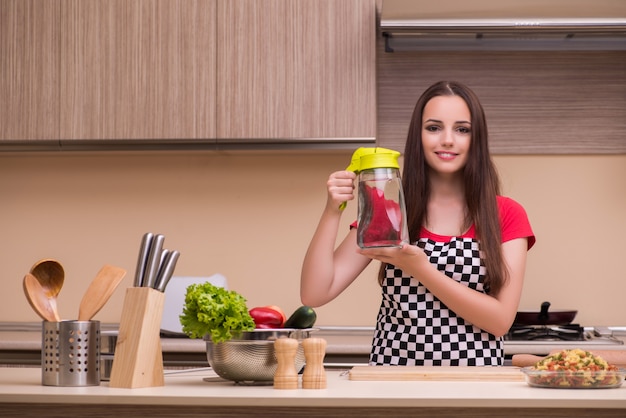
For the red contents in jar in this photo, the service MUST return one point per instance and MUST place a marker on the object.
(385, 217)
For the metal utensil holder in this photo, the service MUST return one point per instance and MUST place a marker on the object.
(70, 354)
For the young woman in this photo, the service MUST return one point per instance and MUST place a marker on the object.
(450, 296)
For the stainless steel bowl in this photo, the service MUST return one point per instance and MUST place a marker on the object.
(249, 356)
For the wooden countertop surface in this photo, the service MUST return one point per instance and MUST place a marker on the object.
(189, 390)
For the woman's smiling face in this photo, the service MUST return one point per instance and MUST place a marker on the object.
(446, 134)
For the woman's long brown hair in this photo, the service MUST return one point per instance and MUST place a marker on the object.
(482, 183)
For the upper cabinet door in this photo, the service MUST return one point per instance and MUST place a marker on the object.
(141, 69)
(296, 69)
(29, 69)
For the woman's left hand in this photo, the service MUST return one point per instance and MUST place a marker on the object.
(407, 257)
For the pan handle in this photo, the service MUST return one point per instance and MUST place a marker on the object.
(543, 314)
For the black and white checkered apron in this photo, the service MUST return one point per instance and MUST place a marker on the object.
(415, 328)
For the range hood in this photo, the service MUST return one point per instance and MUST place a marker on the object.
(503, 25)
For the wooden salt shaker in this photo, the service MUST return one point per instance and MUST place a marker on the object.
(314, 376)
(286, 376)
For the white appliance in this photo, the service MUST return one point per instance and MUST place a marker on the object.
(175, 300)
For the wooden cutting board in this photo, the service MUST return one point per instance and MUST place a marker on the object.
(459, 373)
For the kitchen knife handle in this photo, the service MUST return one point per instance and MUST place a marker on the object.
(162, 262)
(142, 260)
(154, 260)
(167, 271)
(164, 253)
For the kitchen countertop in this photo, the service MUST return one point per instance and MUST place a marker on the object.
(20, 343)
(350, 343)
(341, 340)
(186, 393)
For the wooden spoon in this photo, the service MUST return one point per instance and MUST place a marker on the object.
(50, 275)
(99, 291)
(37, 298)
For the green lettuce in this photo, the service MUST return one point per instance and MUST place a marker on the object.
(215, 311)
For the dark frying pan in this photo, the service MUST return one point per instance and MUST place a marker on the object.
(544, 316)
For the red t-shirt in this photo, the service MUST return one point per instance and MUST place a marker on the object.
(514, 224)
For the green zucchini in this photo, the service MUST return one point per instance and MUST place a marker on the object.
(303, 317)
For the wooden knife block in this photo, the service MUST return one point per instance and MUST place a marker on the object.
(138, 359)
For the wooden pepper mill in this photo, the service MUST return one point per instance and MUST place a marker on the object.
(314, 376)
(286, 376)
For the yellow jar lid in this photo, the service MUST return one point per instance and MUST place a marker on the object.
(368, 158)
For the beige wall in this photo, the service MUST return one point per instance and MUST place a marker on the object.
(250, 216)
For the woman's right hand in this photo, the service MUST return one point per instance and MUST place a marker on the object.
(327, 269)
(340, 187)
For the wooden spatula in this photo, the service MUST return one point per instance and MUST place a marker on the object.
(99, 291)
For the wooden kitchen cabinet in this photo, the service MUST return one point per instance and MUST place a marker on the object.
(135, 70)
(296, 69)
(168, 70)
(29, 71)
